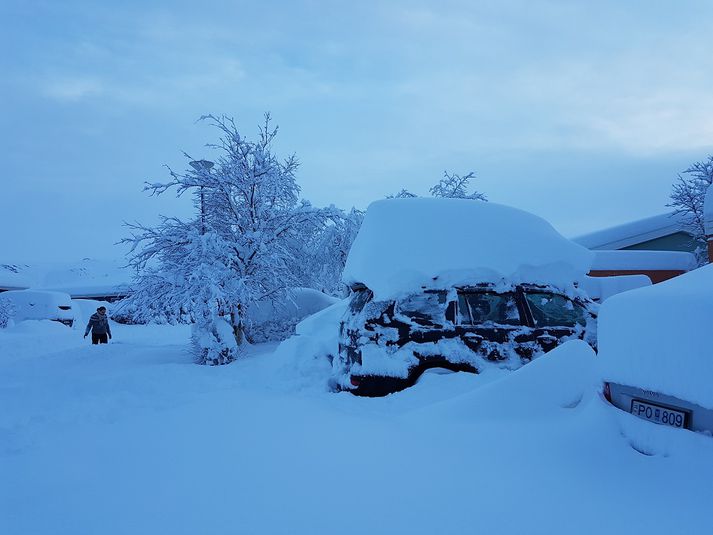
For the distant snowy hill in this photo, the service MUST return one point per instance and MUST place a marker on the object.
(84, 278)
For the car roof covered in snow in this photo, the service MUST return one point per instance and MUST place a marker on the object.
(407, 244)
(658, 337)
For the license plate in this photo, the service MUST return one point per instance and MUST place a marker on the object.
(658, 414)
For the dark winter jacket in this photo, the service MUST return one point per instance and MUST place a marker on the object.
(98, 324)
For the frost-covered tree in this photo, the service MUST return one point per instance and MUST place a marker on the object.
(451, 186)
(454, 186)
(330, 250)
(403, 194)
(6, 312)
(689, 193)
(238, 250)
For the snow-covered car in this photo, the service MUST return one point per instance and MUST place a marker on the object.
(655, 351)
(456, 284)
(40, 305)
(459, 329)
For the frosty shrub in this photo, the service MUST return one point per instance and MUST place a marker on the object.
(6, 312)
(213, 340)
(273, 330)
(246, 243)
(688, 196)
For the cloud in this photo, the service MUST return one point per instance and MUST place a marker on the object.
(72, 88)
(160, 88)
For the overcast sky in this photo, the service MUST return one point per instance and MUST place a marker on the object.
(583, 113)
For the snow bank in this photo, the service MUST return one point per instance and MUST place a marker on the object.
(602, 288)
(561, 379)
(304, 360)
(659, 338)
(404, 244)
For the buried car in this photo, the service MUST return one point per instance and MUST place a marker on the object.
(456, 284)
(655, 351)
(40, 305)
(386, 345)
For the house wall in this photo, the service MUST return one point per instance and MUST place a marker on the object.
(656, 275)
(678, 241)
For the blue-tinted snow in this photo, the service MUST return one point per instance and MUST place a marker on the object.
(404, 244)
(132, 437)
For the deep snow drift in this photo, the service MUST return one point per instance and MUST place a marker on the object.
(404, 244)
(132, 437)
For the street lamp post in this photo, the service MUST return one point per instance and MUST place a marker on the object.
(202, 166)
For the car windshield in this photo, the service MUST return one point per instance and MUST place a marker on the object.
(425, 308)
(481, 307)
(552, 310)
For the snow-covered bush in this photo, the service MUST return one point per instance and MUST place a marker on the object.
(213, 340)
(6, 312)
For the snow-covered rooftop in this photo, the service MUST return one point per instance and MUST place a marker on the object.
(628, 234)
(658, 337)
(405, 244)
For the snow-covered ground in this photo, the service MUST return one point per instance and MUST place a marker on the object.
(132, 438)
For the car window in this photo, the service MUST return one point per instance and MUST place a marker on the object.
(480, 307)
(552, 310)
(428, 306)
(359, 299)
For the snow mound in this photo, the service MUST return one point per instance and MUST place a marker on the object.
(303, 361)
(602, 288)
(405, 244)
(658, 338)
(558, 380)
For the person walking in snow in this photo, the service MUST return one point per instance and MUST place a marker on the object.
(99, 325)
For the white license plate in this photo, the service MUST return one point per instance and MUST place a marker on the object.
(658, 414)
